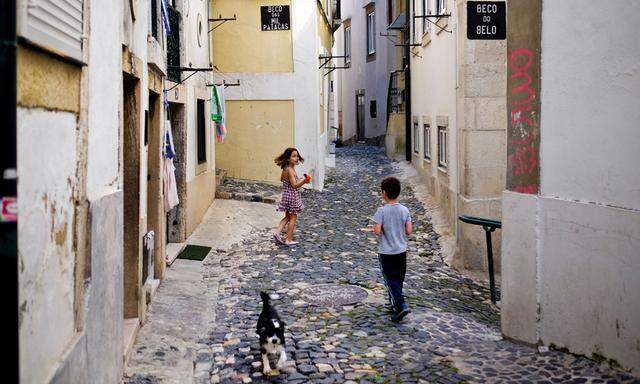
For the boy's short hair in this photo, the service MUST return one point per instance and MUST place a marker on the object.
(391, 186)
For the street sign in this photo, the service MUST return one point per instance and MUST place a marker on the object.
(486, 20)
(275, 18)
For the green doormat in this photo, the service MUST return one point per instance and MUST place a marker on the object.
(194, 252)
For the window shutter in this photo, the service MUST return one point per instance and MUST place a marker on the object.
(55, 24)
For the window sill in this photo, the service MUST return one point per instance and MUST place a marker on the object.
(442, 169)
(427, 159)
(371, 57)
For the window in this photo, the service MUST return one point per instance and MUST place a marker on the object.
(413, 21)
(371, 32)
(389, 12)
(153, 18)
(440, 6)
(347, 44)
(416, 138)
(173, 46)
(427, 141)
(442, 146)
(373, 109)
(425, 11)
(202, 134)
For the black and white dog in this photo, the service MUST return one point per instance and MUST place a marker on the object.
(271, 331)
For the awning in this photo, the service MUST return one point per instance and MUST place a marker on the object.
(400, 22)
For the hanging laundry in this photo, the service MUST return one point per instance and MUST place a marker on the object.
(165, 17)
(169, 150)
(171, 198)
(218, 111)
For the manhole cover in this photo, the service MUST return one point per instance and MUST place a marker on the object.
(333, 294)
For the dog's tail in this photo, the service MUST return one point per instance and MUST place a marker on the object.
(265, 298)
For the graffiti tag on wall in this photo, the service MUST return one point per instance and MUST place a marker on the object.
(523, 151)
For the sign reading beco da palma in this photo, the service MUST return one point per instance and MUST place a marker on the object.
(275, 17)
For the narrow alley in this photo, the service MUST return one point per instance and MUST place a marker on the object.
(329, 292)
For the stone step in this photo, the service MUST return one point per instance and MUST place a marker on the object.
(247, 196)
(221, 174)
(130, 331)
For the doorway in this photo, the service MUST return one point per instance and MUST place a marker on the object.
(176, 217)
(360, 114)
(154, 264)
(131, 195)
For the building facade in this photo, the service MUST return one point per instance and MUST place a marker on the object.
(571, 209)
(458, 126)
(282, 99)
(365, 80)
(92, 224)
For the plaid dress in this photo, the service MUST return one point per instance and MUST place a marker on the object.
(291, 201)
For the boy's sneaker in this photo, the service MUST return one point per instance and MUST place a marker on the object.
(400, 315)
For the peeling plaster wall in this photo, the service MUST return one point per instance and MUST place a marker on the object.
(45, 239)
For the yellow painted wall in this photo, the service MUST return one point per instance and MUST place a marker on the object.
(259, 130)
(47, 82)
(242, 46)
(324, 30)
(200, 195)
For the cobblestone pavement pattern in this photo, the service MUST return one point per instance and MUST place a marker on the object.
(452, 334)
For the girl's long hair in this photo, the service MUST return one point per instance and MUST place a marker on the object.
(283, 160)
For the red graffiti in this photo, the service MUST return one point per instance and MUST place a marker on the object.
(523, 158)
(524, 161)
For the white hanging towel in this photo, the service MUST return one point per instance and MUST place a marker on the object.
(169, 171)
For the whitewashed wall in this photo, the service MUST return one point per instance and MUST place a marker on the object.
(572, 252)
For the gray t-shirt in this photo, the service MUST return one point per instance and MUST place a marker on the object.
(392, 217)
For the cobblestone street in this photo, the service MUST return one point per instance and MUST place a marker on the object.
(329, 292)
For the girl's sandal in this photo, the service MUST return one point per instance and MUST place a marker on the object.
(277, 239)
(290, 243)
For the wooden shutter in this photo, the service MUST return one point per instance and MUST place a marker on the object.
(54, 24)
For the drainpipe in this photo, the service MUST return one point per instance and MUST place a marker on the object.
(407, 83)
(8, 177)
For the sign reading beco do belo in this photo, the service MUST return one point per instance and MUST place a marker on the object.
(486, 20)
(275, 18)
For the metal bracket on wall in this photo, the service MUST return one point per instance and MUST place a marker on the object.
(427, 17)
(186, 69)
(389, 37)
(331, 69)
(221, 20)
(411, 45)
(224, 82)
(327, 59)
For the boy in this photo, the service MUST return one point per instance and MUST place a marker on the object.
(393, 225)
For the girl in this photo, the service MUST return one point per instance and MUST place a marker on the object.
(291, 202)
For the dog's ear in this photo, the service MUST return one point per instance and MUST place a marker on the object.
(261, 330)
